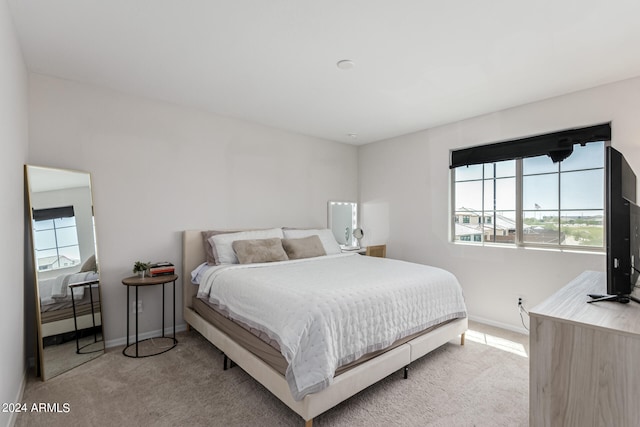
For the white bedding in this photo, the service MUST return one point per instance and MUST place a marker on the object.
(56, 290)
(328, 311)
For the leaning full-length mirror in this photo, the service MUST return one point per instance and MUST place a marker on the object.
(65, 265)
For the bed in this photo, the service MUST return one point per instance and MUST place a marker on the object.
(56, 305)
(306, 389)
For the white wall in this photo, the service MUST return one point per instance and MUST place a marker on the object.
(409, 178)
(13, 143)
(158, 169)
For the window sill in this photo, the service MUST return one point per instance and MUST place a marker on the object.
(571, 249)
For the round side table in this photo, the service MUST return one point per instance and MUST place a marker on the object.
(136, 282)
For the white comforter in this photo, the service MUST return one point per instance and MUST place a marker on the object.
(328, 311)
(56, 289)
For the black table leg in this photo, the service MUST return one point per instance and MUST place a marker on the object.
(127, 318)
(136, 321)
(163, 310)
(93, 315)
(75, 321)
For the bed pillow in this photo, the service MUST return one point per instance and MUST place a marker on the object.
(304, 247)
(222, 243)
(211, 255)
(89, 265)
(331, 246)
(259, 250)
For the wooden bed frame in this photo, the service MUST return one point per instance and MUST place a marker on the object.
(343, 386)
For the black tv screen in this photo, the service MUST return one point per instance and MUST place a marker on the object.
(621, 224)
(634, 242)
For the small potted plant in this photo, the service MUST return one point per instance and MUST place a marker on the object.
(141, 268)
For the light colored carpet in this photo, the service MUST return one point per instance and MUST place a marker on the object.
(483, 383)
(62, 357)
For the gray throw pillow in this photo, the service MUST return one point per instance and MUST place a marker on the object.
(305, 247)
(89, 265)
(259, 250)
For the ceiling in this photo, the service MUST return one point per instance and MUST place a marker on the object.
(418, 63)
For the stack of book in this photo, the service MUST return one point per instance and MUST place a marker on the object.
(161, 269)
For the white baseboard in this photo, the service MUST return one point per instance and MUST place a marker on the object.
(144, 335)
(19, 396)
(520, 330)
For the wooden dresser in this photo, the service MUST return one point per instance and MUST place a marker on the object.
(585, 358)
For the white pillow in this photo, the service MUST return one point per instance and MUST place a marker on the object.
(331, 246)
(223, 242)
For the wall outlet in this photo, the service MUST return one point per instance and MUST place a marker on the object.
(139, 307)
(520, 300)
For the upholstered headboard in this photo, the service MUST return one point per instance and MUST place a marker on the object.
(192, 256)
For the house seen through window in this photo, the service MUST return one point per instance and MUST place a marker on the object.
(55, 238)
(532, 200)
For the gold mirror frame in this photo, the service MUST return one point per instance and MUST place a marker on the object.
(68, 300)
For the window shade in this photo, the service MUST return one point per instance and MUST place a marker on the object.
(557, 145)
(52, 213)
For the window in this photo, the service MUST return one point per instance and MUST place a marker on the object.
(56, 238)
(486, 193)
(532, 200)
(563, 203)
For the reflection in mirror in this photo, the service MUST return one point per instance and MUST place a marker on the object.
(342, 219)
(67, 279)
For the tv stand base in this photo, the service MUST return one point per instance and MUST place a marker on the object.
(623, 299)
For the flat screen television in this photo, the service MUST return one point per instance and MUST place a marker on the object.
(621, 227)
